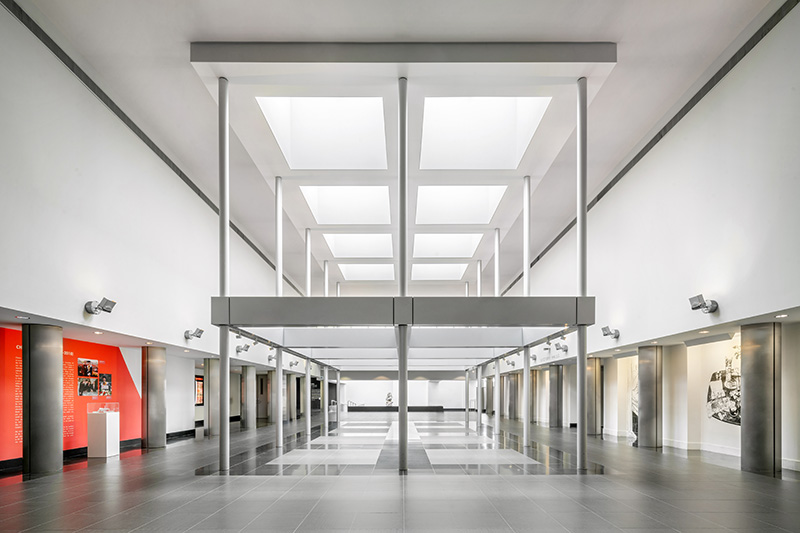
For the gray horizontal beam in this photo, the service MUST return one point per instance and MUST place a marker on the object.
(268, 311)
(282, 52)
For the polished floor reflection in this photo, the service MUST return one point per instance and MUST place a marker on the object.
(459, 479)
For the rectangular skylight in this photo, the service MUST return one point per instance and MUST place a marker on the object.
(328, 133)
(363, 272)
(348, 204)
(446, 244)
(440, 272)
(478, 133)
(359, 244)
(458, 204)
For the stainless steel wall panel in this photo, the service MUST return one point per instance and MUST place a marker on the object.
(154, 397)
(211, 406)
(651, 419)
(556, 406)
(248, 397)
(593, 400)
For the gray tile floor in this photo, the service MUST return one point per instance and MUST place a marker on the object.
(459, 480)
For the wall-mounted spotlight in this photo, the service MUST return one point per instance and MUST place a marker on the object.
(242, 348)
(512, 364)
(270, 357)
(608, 332)
(546, 347)
(189, 334)
(698, 302)
(255, 342)
(293, 363)
(562, 347)
(95, 308)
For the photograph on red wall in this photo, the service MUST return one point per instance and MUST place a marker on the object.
(88, 368)
(87, 387)
(105, 384)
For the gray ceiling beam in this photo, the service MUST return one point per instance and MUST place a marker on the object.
(323, 52)
(270, 311)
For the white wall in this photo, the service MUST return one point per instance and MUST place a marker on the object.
(675, 398)
(447, 393)
(87, 210)
(618, 395)
(180, 394)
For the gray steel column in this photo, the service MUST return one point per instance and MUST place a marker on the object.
(761, 398)
(650, 396)
(42, 399)
(402, 331)
(249, 397)
(556, 396)
(291, 406)
(338, 395)
(224, 273)
(466, 289)
(479, 396)
(403, 334)
(497, 261)
(212, 403)
(278, 236)
(534, 392)
(154, 397)
(308, 399)
(582, 288)
(526, 396)
(593, 399)
(308, 262)
(496, 397)
(279, 397)
(338, 289)
(478, 280)
(466, 398)
(526, 236)
(324, 400)
(325, 274)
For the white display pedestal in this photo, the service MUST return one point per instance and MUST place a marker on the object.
(103, 434)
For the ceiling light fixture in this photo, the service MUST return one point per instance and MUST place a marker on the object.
(458, 204)
(367, 272)
(359, 244)
(94, 308)
(348, 204)
(698, 302)
(446, 244)
(703, 332)
(776, 316)
(21, 317)
(438, 271)
(98, 332)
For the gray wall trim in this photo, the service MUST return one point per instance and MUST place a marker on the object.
(17, 12)
(729, 65)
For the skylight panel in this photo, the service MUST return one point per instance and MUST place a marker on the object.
(348, 204)
(478, 133)
(328, 133)
(458, 204)
(446, 244)
(438, 272)
(359, 244)
(366, 272)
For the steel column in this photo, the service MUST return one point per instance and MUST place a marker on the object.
(325, 274)
(279, 396)
(466, 399)
(593, 400)
(42, 399)
(466, 289)
(154, 397)
(526, 396)
(497, 261)
(211, 392)
(479, 397)
(403, 333)
(496, 397)
(324, 401)
(308, 400)
(526, 235)
(556, 404)
(224, 272)
(582, 288)
(338, 289)
(650, 396)
(278, 236)
(248, 419)
(478, 280)
(761, 398)
(308, 261)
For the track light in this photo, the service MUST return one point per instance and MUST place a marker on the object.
(698, 302)
(546, 347)
(270, 357)
(189, 334)
(608, 332)
(95, 308)
(242, 348)
(562, 347)
(293, 363)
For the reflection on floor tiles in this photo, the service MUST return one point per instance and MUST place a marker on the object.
(477, 457)
(328, 457)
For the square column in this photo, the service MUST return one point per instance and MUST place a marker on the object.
(154, 397)
(211, 407)
(651, 418)
(761, 398)
(593, 399)
(556, 396)
(248, 397)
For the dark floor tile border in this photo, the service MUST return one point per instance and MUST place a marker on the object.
(14, 466)
(729, 65)
(20, 14)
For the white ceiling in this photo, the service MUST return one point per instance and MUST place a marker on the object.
(138, 52)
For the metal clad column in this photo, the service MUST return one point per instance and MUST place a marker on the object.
(402, 330)
(556, 395)
(496, 397)
(526, 396)
(211, 408)
(650, 396)
(338, 289)
(42, 399)
(479, 397)
(582, 288)
(154, 397)
(338, 395)
(324, 401)
(466, 289)
(308, 400)
(278, 236)
(761, 398)
(308, 262)
(279, 397)
(466, 399)
(593, 403)
(224, 273)
(249, 397)
(497, 261)
(325, 274)
(478, 284)
(291, 391)
(526, 235)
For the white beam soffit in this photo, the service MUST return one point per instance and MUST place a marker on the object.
(531, 311)
(321, 52)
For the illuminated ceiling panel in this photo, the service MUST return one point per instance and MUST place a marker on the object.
(365, 272)
(478, 133)
(359, 244)
(438, 272)
(328, 133)
(348, 204)
(446, 244)
(458, 204)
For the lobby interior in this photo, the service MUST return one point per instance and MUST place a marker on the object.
(325, 266)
